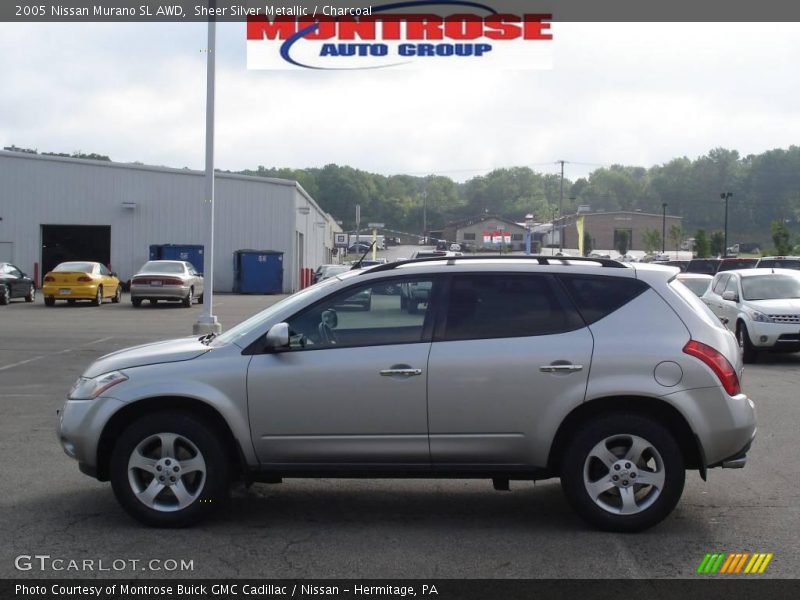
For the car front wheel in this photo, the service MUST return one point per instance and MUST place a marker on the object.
(623, 472)
(31, 295)
(170, 469)
(749, 352)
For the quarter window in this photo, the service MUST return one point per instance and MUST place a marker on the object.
(599, 296)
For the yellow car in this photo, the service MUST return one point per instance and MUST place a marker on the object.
(81, 280)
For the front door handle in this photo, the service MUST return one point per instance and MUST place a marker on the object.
(401, 372)
(560, 368)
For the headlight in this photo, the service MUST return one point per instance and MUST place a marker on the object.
(89, 389)
(760, 317)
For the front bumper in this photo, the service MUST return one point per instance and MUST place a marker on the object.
(79, 426)
(779, 336)
(73, 292)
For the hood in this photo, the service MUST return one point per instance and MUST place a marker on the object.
(148, 354)
(779, 306)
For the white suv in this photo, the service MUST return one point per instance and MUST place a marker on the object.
(614, 378)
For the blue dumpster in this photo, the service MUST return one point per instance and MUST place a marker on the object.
(258, 272)
(192, 253)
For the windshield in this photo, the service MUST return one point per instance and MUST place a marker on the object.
(770, 287)
(158, 266)
(780, 264)
(731, 265)
(82, 267)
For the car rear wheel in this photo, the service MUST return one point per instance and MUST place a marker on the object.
(170, 469)
(49, 301)
(31, 295)
(98, 297)
(5, 294)
(187, 301)
(200, 299)
(117, 295)
(749, 352)
(623, 472)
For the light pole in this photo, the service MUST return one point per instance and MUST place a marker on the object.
(560, 207)
(725, 196)
(207, 322)
(664, 227)
(553, 232)
(528, 232)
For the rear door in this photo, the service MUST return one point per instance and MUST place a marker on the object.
(508, 347)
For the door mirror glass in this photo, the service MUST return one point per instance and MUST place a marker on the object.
(730, 296)
(277, 337)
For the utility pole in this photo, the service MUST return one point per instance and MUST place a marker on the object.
(425, 216)
(208, 323)
(664, 227)
(726, 196)
(560, 210)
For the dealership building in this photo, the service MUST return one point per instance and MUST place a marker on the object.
(54, 209)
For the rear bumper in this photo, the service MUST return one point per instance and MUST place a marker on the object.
(737, 460)
(74, 292)
(163, 292)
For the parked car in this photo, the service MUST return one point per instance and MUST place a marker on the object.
(697, 282)
(762, 307)
(779, 262)
(359, 248)
(707, 266)
(15, 284)
(324, 272)
(81, 280)
(614, 378)
(681, 264)
(170, 280)
(735, 263)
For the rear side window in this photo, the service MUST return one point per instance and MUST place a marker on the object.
(498, 305)
(597, 297)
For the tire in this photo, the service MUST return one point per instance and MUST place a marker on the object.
(31, 295)
(117, 295)
(5, 295)
(613, 436)
(137, 302)
(187, 301)
(200, 299)
(98, 298)
(49, 301)
(749, 352)
(202, 490)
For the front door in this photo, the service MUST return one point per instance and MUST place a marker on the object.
(352, 387)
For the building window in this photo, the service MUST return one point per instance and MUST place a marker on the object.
(469, 237)
(617, 233)
(516, 237)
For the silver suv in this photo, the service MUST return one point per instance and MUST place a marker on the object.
(615, 378)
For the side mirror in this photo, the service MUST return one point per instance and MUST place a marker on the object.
(277, 337)
(730, 296)
(114, 274)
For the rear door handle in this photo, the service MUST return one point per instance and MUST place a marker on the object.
(560, 368)
(401, 372)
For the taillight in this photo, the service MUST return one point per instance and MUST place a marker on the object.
(49, 278)
(171, 281)
(84, 278)
(717, 363)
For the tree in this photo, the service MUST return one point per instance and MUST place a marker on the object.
(701, 244)
(716, 244)
(676, 236)
(781, 237)
(651, 240)
(587, 243)
(622, 242)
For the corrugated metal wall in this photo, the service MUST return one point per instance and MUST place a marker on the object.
(251, 212)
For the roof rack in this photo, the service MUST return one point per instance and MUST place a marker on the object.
(541, 259)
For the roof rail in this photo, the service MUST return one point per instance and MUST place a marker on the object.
(541, 259)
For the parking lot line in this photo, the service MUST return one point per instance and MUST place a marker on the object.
(35, 358)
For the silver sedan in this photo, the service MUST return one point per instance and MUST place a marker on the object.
(174, 280)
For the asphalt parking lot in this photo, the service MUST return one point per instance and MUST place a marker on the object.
(359, 528)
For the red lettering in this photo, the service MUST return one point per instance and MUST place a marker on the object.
(350, 28)
(463, 27)
(424, 27)
(260, 28)
(502, 27)
(534, 27)
(325, 31)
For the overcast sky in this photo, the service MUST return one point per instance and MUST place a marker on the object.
(630, 93)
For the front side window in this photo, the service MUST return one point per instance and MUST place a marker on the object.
(502, 305)
(719, 285)
(732, 285)
(374, 314)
